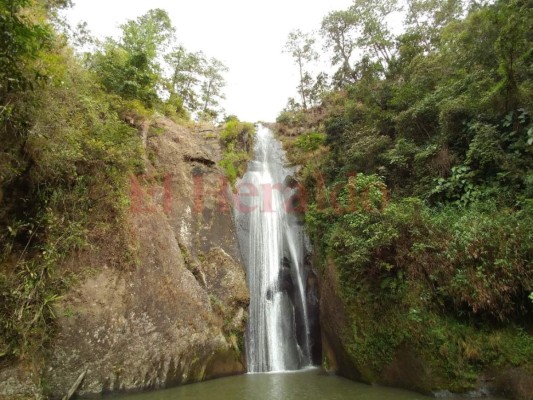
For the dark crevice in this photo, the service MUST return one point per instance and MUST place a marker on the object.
(201, 160)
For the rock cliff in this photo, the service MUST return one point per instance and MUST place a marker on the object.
(175, 311)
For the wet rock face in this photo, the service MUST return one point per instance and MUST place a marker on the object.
(313, 301)
(285, 279)
(287, 284)
(177, 312)
(514, 383)
(334, 325)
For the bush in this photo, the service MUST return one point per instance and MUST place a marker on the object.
(482, 253)
(454, 279)
(310, 141)
(238, 139)
(234, 164)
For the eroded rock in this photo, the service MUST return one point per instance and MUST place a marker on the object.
(175, 313)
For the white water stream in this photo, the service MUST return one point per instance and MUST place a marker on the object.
(273, 243)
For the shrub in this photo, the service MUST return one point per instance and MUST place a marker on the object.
(238, 139)
(310, 141)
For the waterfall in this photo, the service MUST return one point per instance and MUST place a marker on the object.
(281, 335)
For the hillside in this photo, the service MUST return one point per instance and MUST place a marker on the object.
(416, 168)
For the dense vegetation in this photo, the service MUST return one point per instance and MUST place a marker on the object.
(418, 163)
(69, 141)
(238, 139)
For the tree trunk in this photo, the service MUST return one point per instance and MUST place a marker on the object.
(207, 96)
(302, 92)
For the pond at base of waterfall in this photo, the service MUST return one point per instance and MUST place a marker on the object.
(309, 384)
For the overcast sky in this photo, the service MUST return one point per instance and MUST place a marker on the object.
(247, 35)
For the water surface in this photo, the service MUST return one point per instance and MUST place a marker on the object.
(312, 384)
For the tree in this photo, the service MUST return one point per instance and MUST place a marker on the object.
(340, 29)
(375, 36)
(130, 67)
(426, 18)
(319, 88)
(314, 88)
(300, 46)
(147, 34)
(186, 76)
(211, 91)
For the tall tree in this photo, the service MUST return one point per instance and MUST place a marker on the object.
(212, 86)
(301, 47)
(187, 71)
(375, 36)
(340, 30)
(426, 18)
(148, 33)
(131, 67)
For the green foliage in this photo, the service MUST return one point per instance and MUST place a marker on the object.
(452, 280)
(486, 256)
(146, 35)
(310, 141)
(174, 108)
(238, 140)
(64, 171)
(186, 76)
(481, 252)
(235, 130)
(124, 74)
(234, 164)
(24, 34)
(132, 68)
(291, 118)
(458, 187)
(443, 119)
(21, 40)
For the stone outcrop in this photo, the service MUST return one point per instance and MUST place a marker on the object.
(176, 311)
(334, 322)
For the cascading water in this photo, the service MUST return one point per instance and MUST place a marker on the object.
(282, 327)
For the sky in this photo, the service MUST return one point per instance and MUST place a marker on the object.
(246, 35)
